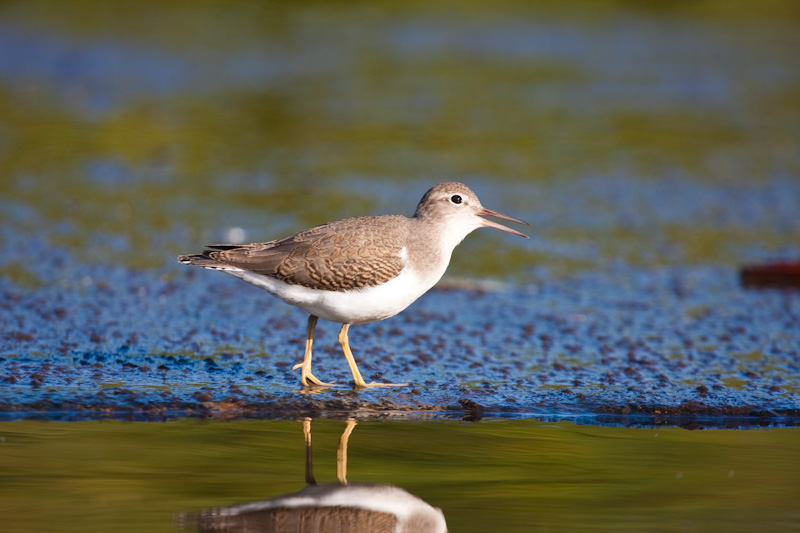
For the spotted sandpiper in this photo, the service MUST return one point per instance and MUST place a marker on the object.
(343, 506)
(358, 270)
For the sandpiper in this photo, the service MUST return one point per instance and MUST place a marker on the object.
(358, 270)
(341, 506)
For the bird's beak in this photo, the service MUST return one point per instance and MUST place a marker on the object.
(490, 224)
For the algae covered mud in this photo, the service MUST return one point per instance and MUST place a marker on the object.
(657, 347)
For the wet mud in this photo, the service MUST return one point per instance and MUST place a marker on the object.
(675, 345)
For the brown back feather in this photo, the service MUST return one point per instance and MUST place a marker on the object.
(342, 255)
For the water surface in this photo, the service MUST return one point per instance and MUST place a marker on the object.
(495, 475)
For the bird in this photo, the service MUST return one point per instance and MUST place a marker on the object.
(358, 270)
(329, 507)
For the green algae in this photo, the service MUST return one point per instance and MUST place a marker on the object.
(296, 146)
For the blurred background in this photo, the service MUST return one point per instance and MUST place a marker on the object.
(636, 133)
(654, 146)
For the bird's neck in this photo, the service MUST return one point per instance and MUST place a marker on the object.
(431, 244)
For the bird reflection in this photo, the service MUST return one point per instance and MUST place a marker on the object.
(331, 507)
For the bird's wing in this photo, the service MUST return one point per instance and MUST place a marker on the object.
(343, 255)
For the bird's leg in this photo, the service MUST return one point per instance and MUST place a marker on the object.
(341, 452)
(309, 460)
(345, 343)
(305, 367)
(348, 354)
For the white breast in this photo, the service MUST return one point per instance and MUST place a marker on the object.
(347, 307)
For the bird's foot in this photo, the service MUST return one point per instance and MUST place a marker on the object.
(307, 379)
(381, 385)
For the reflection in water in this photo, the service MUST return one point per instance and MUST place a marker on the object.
(332, 507)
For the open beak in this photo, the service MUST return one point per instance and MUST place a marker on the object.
(490, 224)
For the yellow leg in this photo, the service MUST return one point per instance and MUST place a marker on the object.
(309, 460)
(305, 367)
(341, 452)
(345, 343)
(348, 354)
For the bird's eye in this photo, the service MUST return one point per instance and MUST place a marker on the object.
(456, 199)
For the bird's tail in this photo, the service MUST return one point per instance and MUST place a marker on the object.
(202, 261)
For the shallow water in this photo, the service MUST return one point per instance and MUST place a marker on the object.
(495, 475)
